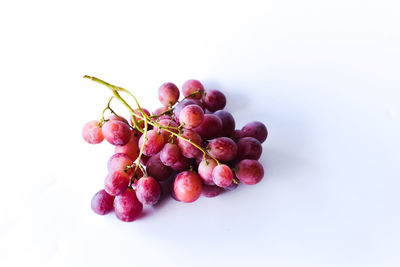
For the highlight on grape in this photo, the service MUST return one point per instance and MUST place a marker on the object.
(184, 149)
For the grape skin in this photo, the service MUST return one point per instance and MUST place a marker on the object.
(211, 190)
(156, 169)
(187, 186)
(119, 162)
(214, 100)
(249, 148)
(102, 202)
(190, 87)
(116, 132)
(131, 148)
(188, 150)
(92, 132)
(210, 127)
(181, 105)
(127, 207)
(222, 175)
(167, 122)
(115, 117)
(191, 116)
(170, 154)
(116, 183)
(148, 190)
(228, 122)
(154, 143)
(249, 171)
(255, 129)
(168, 94)
(182, 164)
(222, 148)
(205, 170)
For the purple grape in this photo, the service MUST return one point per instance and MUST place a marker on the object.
(102, 202)
(92, 132)
(168, 94)
(255, 129)
(236, 134)
(249, 148)
(156, 169)
(116, 183)
(249, 171)
(188, 150)
(116, 132)
(211, 190)
(210, 127)
(191, 116)
(148, 190)
(214, 100)
(127, 207)
(192, 86)
(170, 154)
(182, 164)
(231, 187)
(228, 122)
(222, 148)
(154, 143)
(222, 175)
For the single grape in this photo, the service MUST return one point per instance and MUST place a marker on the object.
(192, 86)
(168, 94)
(249, 171)
(249, 148)
(182, 164)
(102, 202)
(154, 143)
(166, 134)
(131, 148)
(119, 162)
(116, 182)
(188, 150)
(181, 105)
(191, 116)
(148, 190)
(231, 187)
(214, 100)
(92, 132)
(228, 122)
(222, 175)
(115, 117)
(210, 127)
(170, 154)
(222, 148)
(156, 169)
(211, 190)
(255, 129)
(205, 170)
(127, 207)
(116, 132)
(187, 186)
(236, 134)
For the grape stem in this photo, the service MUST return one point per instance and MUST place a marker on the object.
(147, 119)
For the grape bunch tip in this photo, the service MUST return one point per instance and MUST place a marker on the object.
(184, 149)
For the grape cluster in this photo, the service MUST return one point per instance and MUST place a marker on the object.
(185, 149)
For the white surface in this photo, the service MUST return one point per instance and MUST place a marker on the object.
(322, 75)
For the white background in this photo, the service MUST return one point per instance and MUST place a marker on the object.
(324, 76)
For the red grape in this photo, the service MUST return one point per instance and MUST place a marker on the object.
(214, 100)
(222, 148)
(249, 171)
(116, 182)
(182, 164)
(188, 150)
(159, 110)
(92, 132)
(140, 119)
(205, 171)
(187, 186)
(156, 169)
(249, 148)
(211, 190)
(168, 94)
(236, 134)
(144, 159)
(131, 148)
(148, 190)
(170, 154)
(255, 129)
(192, 86)
(102, 202)
(119, 162)
(181, 105)
(210, 127)
(127, 207)
(154, 143)
(166, 122)
(191, 116)
(116, 132)
(222, 175)
(228, 122)
(115, 117)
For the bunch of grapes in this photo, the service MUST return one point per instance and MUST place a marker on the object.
(185, 149)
